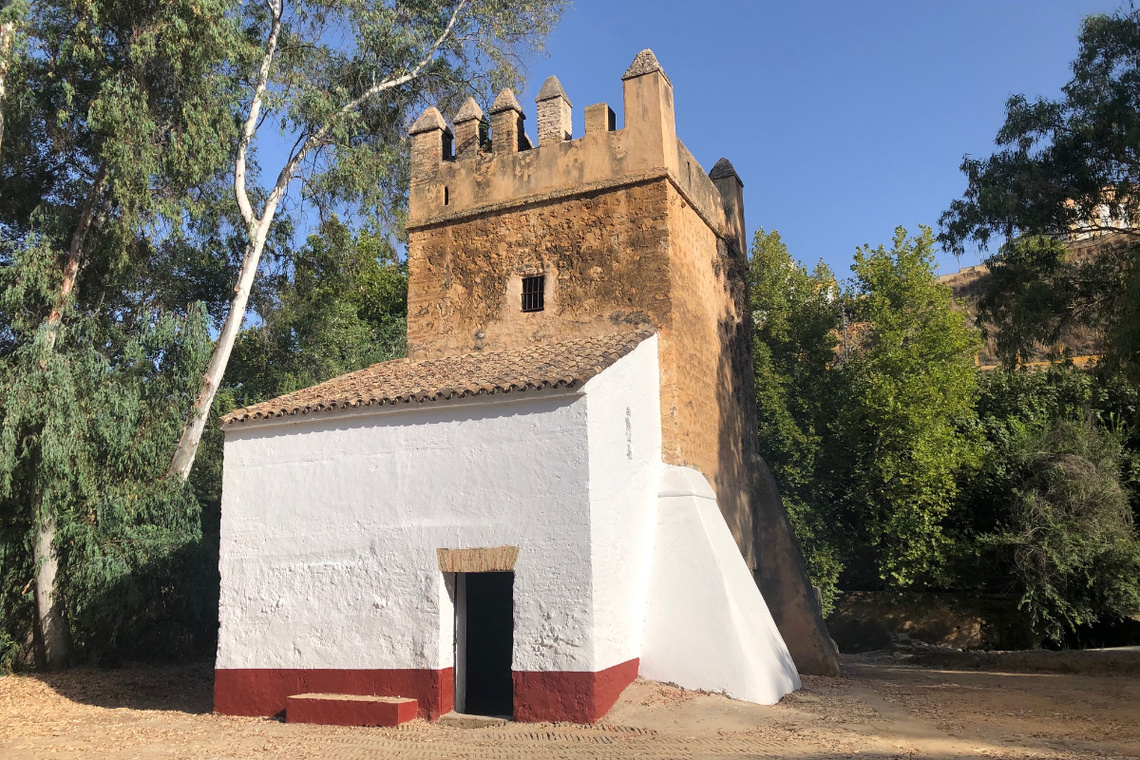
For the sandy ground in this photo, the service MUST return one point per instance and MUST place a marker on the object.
(881, 708)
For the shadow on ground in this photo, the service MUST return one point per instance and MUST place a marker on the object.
(183, 688)
(1120, 661)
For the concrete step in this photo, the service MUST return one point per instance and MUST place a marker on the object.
(349, 710)
(463, 720)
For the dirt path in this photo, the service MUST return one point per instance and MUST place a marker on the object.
(880, 709)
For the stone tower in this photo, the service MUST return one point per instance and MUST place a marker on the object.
(511, 244)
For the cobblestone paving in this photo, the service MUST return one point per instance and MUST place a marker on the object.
(880, 709)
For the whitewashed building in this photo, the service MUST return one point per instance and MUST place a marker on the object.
(518, 519)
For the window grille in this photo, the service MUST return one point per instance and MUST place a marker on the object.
(533, 293)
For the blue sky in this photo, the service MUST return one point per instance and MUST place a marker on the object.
(844, 119)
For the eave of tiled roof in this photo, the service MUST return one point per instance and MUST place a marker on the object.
(566, 364)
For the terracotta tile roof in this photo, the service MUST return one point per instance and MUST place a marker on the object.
(563, 364)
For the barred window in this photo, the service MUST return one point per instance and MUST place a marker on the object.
(532, 293)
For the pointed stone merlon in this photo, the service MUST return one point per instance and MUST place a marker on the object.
(507, 135)
(731, 189)
(554, 113)
(648, 100)
(431, 144)
(644, 63)
(471, 128)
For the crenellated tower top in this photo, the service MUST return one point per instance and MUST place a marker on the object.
(484, 165)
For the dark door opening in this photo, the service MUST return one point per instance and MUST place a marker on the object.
(487, 618)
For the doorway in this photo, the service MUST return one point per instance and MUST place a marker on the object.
(484, 643)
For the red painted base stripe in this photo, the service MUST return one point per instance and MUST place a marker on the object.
(571, 696)
(574, 697)
(263, 691)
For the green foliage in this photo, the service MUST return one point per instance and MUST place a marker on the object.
(1034, 423)
(902, 465)
(1046, 514)
(1066, 165)
(339, 304)
(131, 91)
(116, 137)
(1011, 398)
(796, 313)
(1067, 532)
(85, 430)
(905, 425)
(1025, 302)
(866, 439)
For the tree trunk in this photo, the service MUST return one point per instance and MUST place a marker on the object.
(7, 35)
(183, 460)
(75, 247)
(74, 256)
(50, 635)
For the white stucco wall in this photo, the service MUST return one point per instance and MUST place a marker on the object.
(625, 464)
(706, 624)
(330, 527)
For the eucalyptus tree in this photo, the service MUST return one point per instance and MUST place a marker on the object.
(339, 79)
(117, 134)
(8, 15)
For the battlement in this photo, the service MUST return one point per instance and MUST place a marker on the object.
(485, 165)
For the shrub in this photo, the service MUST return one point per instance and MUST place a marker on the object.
(1067, 534)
